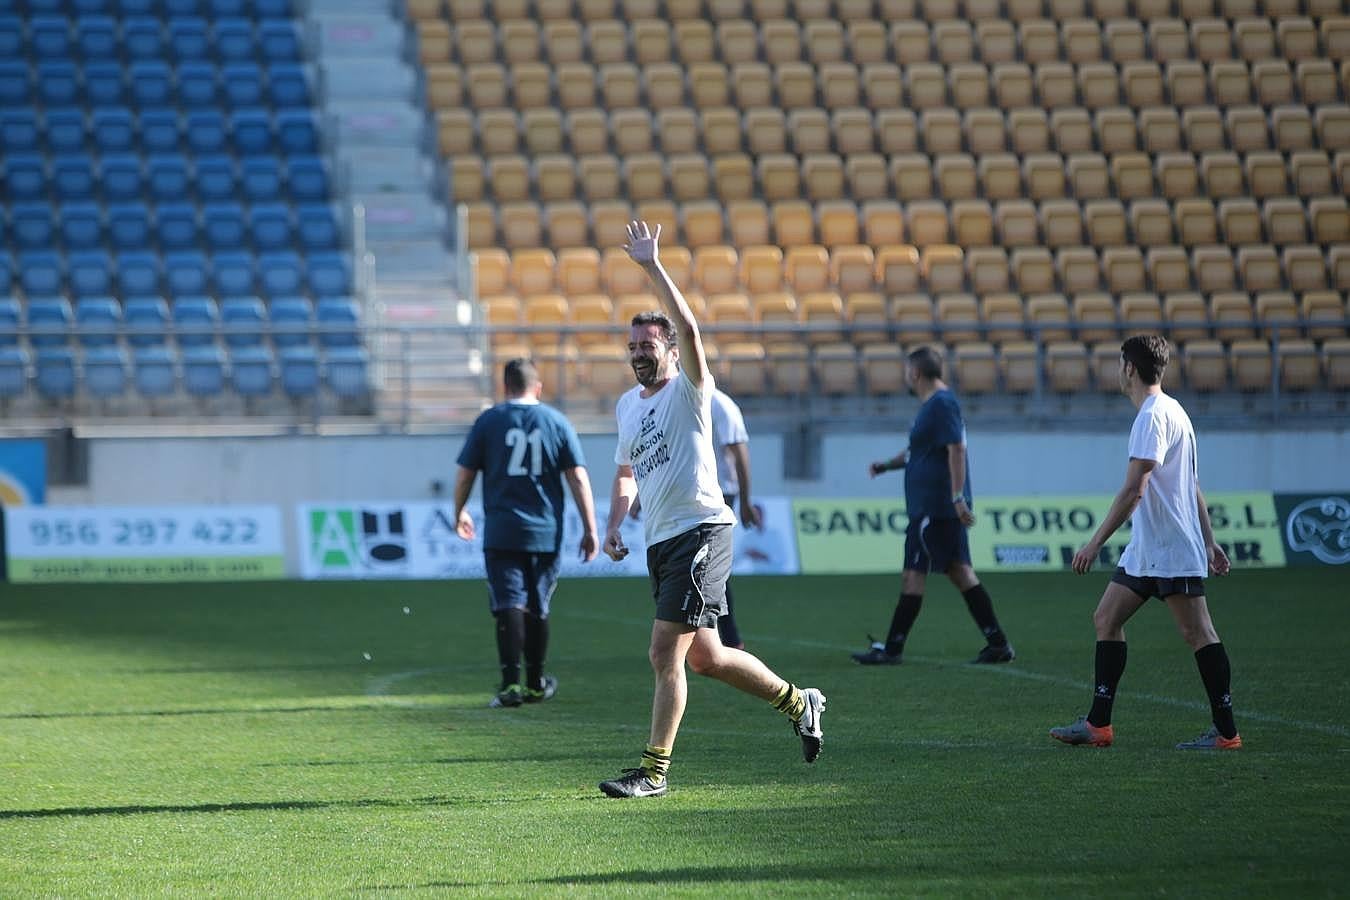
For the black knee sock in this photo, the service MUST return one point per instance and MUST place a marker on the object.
(536, 649)
(510, 639)
(906, 611)
(1110, 666)
(1215, 672)
(726, 625)
(982, 611)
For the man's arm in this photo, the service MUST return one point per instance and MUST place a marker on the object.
(956, 467)
(464, 480)
(889, 465)
(740, 456)
(579, 481)
(620, 497)
(1218, 560)
(642, 247)
(1137, 474)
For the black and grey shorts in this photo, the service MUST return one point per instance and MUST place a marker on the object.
(689, 575)
(1162, 588)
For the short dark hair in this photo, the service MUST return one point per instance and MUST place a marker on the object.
(927, 361)
(1148, 353)
(519, 374)
(660, 320)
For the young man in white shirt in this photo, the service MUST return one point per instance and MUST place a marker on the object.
(731, 443)
(665, 449)
(1171, 550)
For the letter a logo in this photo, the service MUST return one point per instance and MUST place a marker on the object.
(333, 540)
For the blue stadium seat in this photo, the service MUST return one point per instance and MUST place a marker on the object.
(49, 321)
(65, 130)
(224, 9)
(151, 84)
(147, 320)
(128, 226)
(138, 273)
(232, 274)
(281, 274)
(159, 130)
(187, 38)
(10, 317)
(105, 371)
(121, 178)
(292, 320)
(49, 37)
(31, 226)
(278, 41)
(233, 39)
(54, 373)
(90, 273)
(143, 37)
(97, 321)
(272, 9)
(243, 320)
(251, 132)
(287, 85)
(296, 132)
(103, 84)
(269, 225)
(185, 273)
(300, 371)
(197, 88)
(40, 272)
(97, 37)
(15, 89)
(223, 226)
(260, 179)
(92, 7)
(25, 178)
(176, 226)
(214, 176)
(114, 131)
(6, 272)
(19, 131)
(12, 41)
(316, 227)
(195, 320)
(154, 371)
(338, 321)
(251, 370)
(133, 7)
(207, 132)
(182, 8)
(243, 84)
(167, 177)
(81, 226)
(203, 370)
(58, 83)
(345, 371)
(73, 177)
(307, 178)
(329, 275)
(13, 371)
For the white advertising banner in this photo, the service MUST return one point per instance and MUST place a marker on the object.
(417, 539)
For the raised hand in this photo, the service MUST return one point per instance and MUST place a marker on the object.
(642, 243)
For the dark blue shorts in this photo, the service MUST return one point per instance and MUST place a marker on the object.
(1162, 588)
(521, 580)
(933, 545)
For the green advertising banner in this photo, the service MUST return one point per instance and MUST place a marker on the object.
(1315, 528)
(1016, 533)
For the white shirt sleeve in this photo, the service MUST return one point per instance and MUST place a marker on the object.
(1148, 438)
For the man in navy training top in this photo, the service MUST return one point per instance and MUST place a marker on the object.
(938, 502)
(525, 449)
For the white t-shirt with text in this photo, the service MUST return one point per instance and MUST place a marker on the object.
(1166, 540)
(728, 427)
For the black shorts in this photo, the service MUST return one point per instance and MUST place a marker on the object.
(933, 545)
(689, 575)
(518, 580)
(1162, 588)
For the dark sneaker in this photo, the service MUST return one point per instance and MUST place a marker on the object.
(990, 654)
(1212, 740)
(1083, 733)
(633, 783)
(511, 695)
(876, 655)
(808, 726)
(545, 693)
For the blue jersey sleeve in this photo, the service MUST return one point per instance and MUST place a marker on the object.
(570, 455)
(947, 425)
(471, 456)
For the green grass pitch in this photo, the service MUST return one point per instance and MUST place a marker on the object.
(233, 740)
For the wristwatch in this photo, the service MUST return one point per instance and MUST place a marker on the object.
(958, 498)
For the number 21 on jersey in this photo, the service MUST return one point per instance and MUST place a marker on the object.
(520, 442)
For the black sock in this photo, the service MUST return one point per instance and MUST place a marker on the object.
(726, 625)
(982, 611)
(906, 611)
(510, 639)
(536, 648)
(1110, 666)
(1215, 672)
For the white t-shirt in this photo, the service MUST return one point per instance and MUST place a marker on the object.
(667, 439)
(1166, 541)
(728, 427)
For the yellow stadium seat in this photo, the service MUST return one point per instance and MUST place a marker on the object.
(482, 225)
(1206, 366)
(793, 224)
(579, 272)
(510, 177)
(775, 315)
(721, 131)
(491, 271)
(867, 176)
(588, 132)
(734, 176)
(620, 275)
(1004, 317)
(716, 270)
(689, 177)
(1259, 267)
(521, 225)
(1016, 223)
(1300, 367)
(976, 368)
(1094, 316)
(883, 369)
(751, 82)
(702, 223)
(765, 130)
(621, 86)
(533, 271)
(882, 85)
(679, 263)
(743, 365)
(959, 316)
(1018, 366)
(1232, 315)
(568, 224)
(729, 316)
(548, 312)
(761, 269)
(1251, 365)
(467, 178)
(789, 369)
(1336, 363)
(852, 269)
(898, 270)
(1048, 316)
(943, 268)
(913, 317)
(836, 368)
(865, 316)
(807, 268)
(1186, 316)
(838, 223)
(883, 223)
(1326, 307)
(1067, 367)
(748, 221)
(1277, 311)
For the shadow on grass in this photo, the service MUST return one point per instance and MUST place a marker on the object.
(798, 872)
(224, 711)
(137, 809)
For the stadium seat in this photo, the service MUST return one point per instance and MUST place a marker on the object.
(105, 371)
(14, 362)
(54, 372)
(41, 273)
(89, 273)
(146, 320)
(345, 371)
(203, 370)
(251, 370)
(73, 178)
(338, 321)
(214, 177)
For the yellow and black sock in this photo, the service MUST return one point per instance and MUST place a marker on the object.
(790, 702)
(656, 763)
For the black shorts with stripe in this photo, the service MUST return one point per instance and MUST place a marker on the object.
(1162, 588)
(934, 545)
(689, 575)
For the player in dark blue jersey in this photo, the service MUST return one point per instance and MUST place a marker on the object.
(525, 450)
(938, 502)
